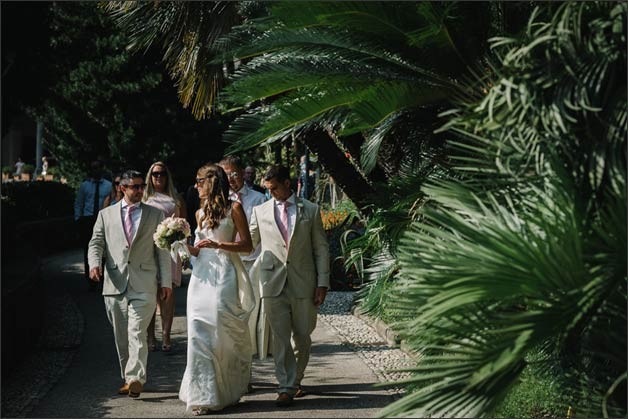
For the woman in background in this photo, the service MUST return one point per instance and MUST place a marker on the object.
(160, 193)
(116, 193)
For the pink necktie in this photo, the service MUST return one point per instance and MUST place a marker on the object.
(128, 223)
(283, 221)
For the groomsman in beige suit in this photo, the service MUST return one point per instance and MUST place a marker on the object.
(123, 234)
(294, 275)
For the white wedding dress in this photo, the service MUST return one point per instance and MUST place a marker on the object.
(220, 300)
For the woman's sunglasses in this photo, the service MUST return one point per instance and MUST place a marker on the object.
(200, 180)
(159, 174)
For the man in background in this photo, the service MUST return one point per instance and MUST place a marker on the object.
(258, 326)
(89, 200)
(249, 180)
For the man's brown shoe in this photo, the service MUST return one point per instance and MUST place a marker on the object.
(283, 400)
(124, 390)
(135, 389)
(300, 393)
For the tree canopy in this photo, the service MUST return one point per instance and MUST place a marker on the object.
(99, 101)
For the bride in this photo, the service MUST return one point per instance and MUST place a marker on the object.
(220, 299)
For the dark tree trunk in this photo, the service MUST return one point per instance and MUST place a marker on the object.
(345, 174)
(277, 149)
(354, 143)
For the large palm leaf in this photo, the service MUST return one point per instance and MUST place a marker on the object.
(356, 63)
(524, 251)
(482, 285)
(188, 33)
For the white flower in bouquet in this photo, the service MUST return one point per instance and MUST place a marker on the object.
(171, 235)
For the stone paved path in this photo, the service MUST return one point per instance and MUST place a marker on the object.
(78, 377)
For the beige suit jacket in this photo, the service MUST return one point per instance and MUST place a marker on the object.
(140, 264)
(305, 264)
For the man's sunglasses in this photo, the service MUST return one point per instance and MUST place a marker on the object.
(116, 183)
(159, 174)
(136, 187)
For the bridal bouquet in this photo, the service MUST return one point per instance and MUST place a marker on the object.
(171, 235)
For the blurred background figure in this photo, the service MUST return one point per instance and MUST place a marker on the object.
(116, 193)
(19, 166)
(160, 193)
(44, 165)
(89, 200)
(249, 179)
(306, 180)
(239, 191)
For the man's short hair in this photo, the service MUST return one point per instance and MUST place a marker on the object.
(234, 161)
(127, 176)
(278, 172)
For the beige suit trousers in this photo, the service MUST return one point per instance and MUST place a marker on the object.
(130, 314)
(292, 321)
(259, 327)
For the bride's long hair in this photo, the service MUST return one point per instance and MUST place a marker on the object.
(217, 204)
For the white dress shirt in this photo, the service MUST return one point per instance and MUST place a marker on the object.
(249, 198)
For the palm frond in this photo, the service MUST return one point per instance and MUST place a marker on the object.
(261, 125)
(334, 43)
(373, 142)
(510, 256)
(398, 22)
(369, 104)
(466, 256)
(272, 75)
(188, 33)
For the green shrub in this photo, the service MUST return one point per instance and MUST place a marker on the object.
(7, 169)
(29, 201)
(54, 170)
(537, 394)
(338, 222)
(26, 202)
(28, 168)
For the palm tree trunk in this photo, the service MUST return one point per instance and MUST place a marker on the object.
(339, 166)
